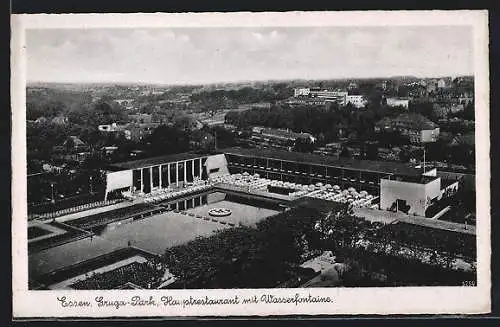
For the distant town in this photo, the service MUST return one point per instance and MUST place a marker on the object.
(394, 158)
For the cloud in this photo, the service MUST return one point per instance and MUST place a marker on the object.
(165, 55)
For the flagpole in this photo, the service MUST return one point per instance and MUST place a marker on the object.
(424, 158)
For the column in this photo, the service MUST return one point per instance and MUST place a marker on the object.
(142, 180)
(193, 203)
(177, 173)
(168, 175)
(192, 169)
(151, 177)
(201, 168)
(185, 172)
(159, 174)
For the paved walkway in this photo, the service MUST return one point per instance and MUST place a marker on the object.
(66, 284)
(390, 217)
(52, 229)
(93, 211)
(253, 191)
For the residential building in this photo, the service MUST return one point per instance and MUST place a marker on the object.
(139, 131)
(60, 120)
(357, 101)
(431, 86)
(260, 105)
(279, 138)
(441, 84)
(339, 97)
(440, 111)
(353, 86)
(302, 91)
(72, 149)
(41, 120)
(141, 118)
(115, 129)
(415, 127)
(466, 139)
(398, 102)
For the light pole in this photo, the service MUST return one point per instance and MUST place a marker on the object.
(90, 181)
(52, 192)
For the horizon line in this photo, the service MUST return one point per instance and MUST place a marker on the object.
(246, 81)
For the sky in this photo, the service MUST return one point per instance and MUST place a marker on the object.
(214, 55)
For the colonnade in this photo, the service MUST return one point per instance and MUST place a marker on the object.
(171, 180)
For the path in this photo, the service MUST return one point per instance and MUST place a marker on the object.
(91, 212)
(389, 217)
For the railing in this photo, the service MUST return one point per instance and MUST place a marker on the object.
(72, 210)
(249, 190)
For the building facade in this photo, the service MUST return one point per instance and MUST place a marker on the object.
(147, 175)
(409, 195)
(175, 170)
(339, 97)
(357, 101)
(398, 102)
(415, 127)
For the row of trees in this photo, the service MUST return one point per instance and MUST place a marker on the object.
(246, 257)
(222, 99)
(269, 254)
(326, 124)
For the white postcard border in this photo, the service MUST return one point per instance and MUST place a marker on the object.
(403, 300)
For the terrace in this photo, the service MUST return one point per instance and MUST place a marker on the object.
(251, 183)
(380, 167)
(163, 194)
(413, 179)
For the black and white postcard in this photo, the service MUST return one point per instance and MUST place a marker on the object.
(237, 164)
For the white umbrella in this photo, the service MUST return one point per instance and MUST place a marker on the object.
(328, 186)
(351, 189)
(336, 187)
(319, 184)
(256, 175)
(246, 174)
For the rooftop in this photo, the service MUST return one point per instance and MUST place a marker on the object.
(412, 120)
(147, 162)
(346, 163)
(447, 182)
(284, 133)
(384, 167)
(467, 139)
(413, 179)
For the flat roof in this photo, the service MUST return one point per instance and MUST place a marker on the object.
(154, 161)
(386, 167)
(413, 179)
(447, 182)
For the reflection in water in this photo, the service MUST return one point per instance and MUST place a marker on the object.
(160, 231)
(244, 209)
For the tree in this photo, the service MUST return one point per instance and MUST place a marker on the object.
(345, 153)
(304, 144)
(167, 140)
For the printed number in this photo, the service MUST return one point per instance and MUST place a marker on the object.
(469, 283)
